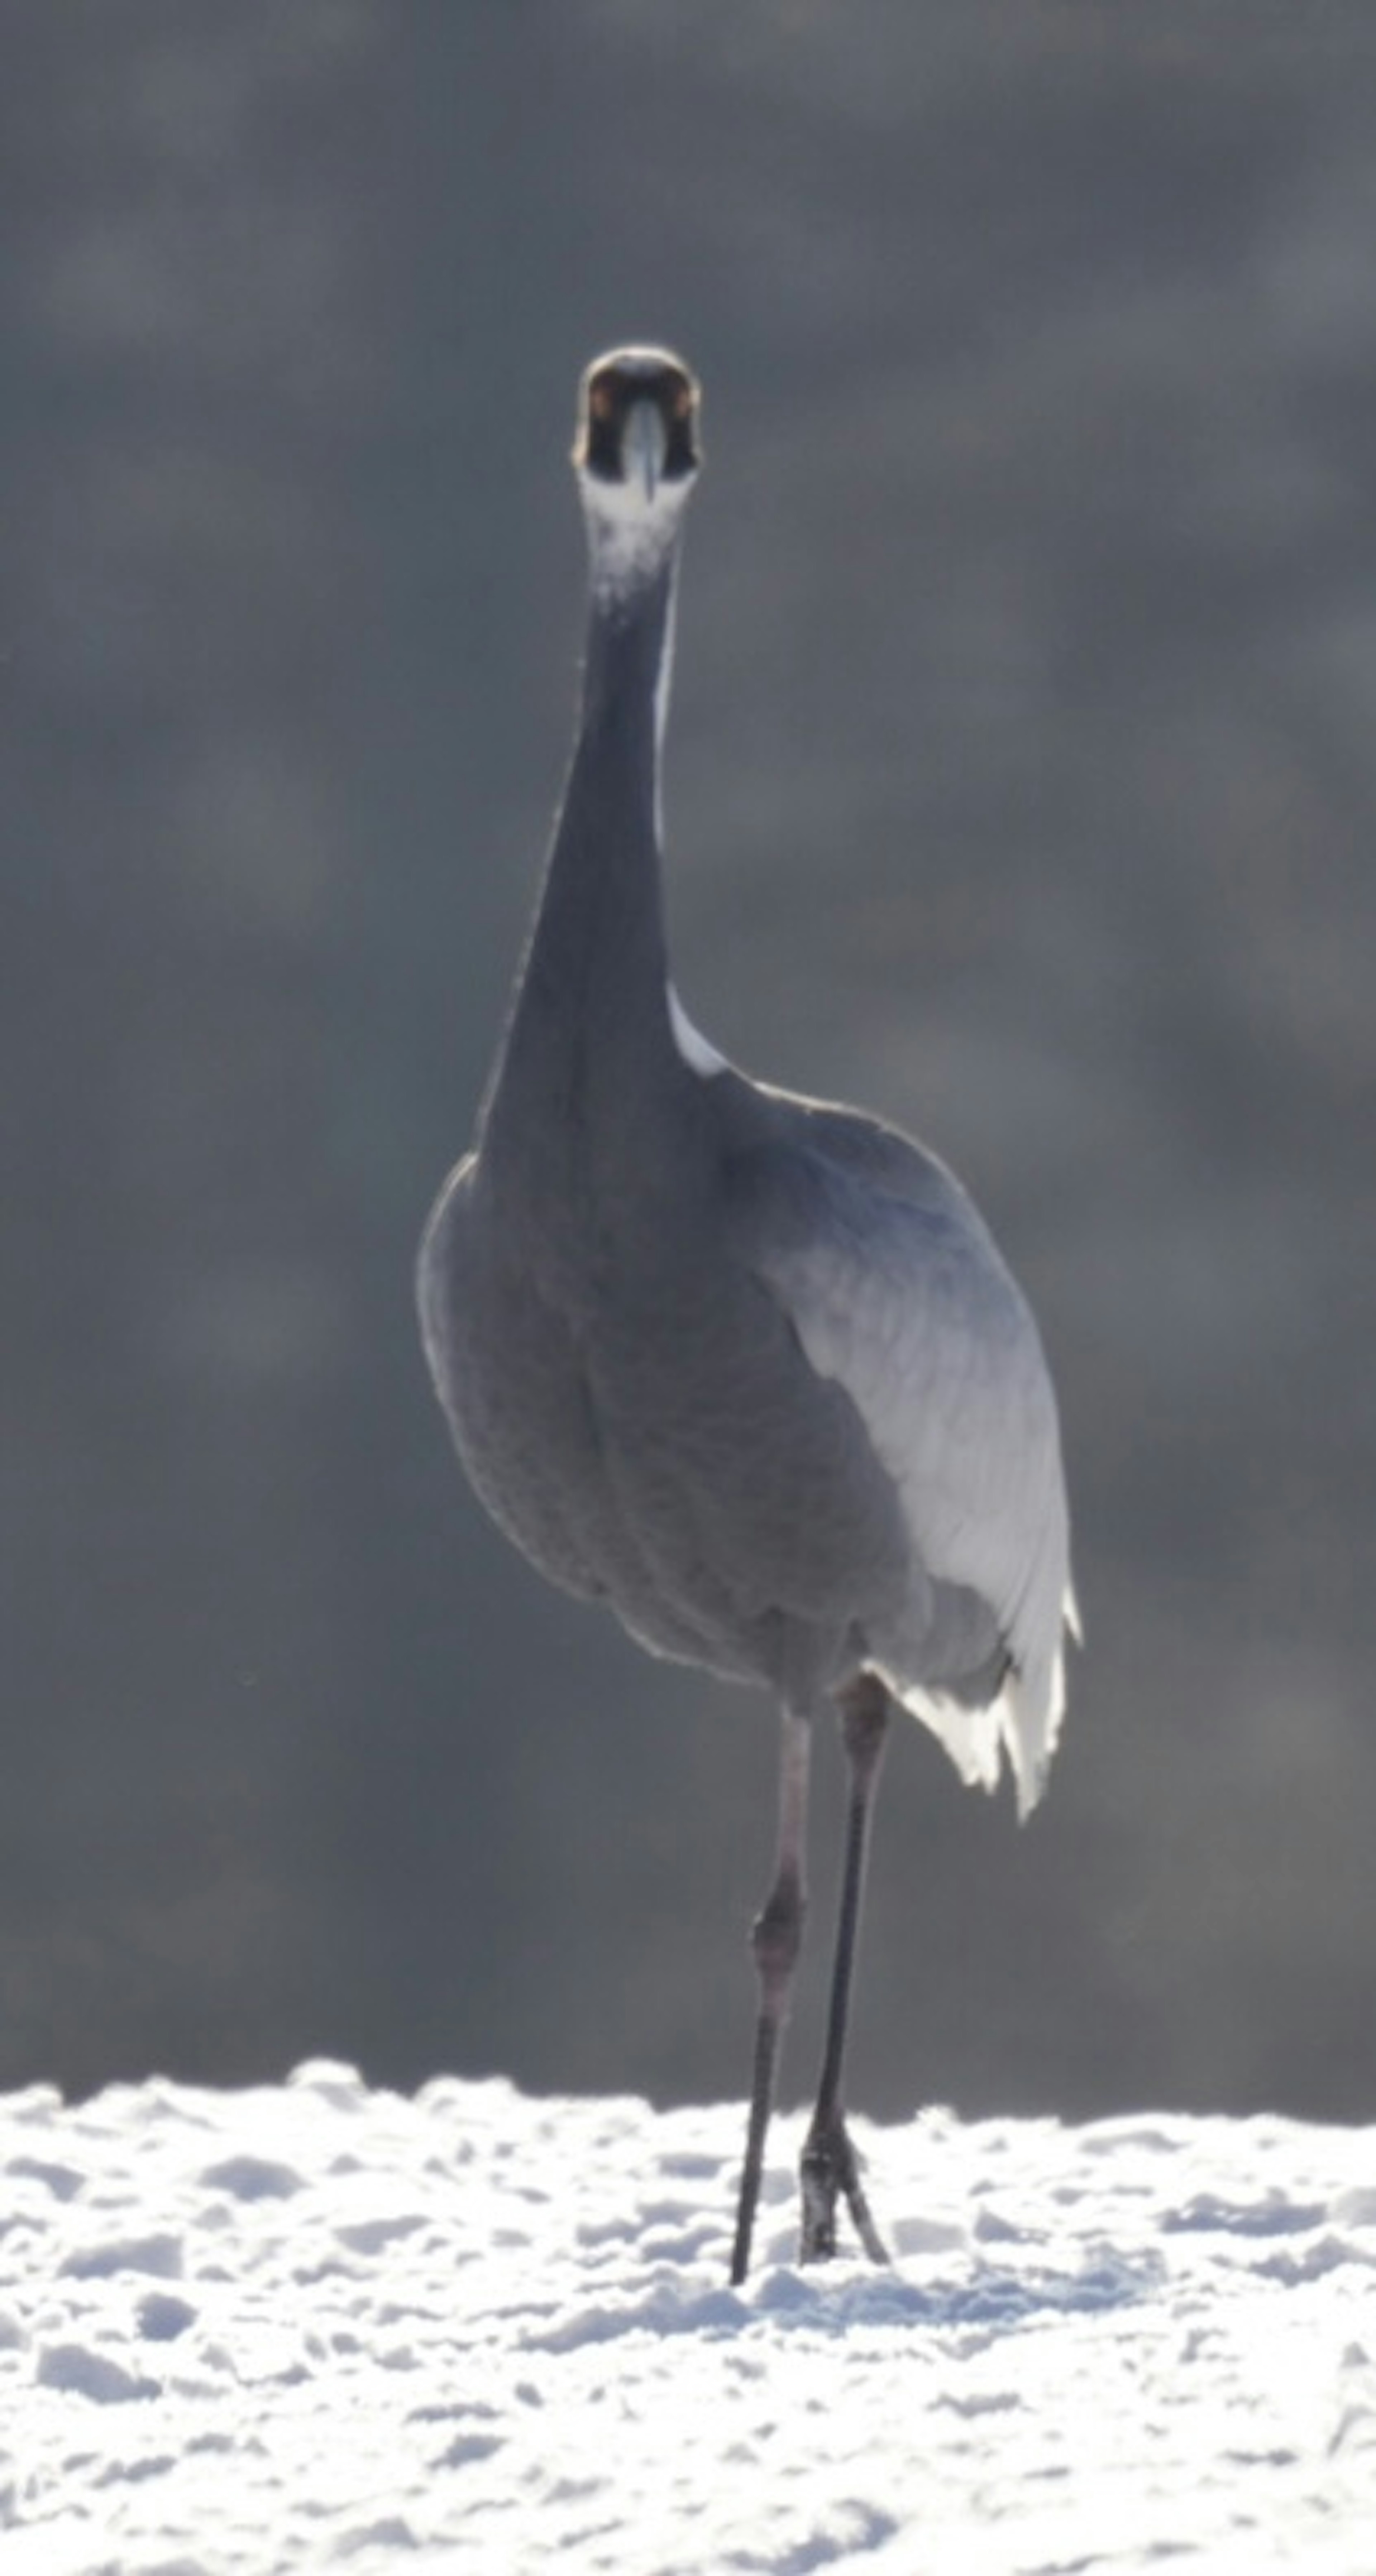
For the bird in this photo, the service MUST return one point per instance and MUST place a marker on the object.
(743, 1366)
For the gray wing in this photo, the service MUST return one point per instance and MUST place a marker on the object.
(897, 1291)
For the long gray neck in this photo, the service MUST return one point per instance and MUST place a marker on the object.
(591, 1005)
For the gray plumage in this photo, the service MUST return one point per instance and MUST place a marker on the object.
(747, 1367)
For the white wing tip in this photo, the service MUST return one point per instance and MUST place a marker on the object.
(1023, 1723)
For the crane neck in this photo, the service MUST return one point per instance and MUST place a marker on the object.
(601, 906)
(627, 668)
(591, 1006)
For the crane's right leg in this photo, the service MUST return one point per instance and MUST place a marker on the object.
(775, 1940)
(830, 2167)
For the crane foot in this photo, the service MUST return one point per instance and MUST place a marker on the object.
(830, 2171)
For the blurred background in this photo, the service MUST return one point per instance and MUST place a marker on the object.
(1022, 786)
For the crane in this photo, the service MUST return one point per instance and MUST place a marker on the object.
(744, 1366)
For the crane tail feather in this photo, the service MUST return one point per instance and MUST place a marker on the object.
(1021, 1725)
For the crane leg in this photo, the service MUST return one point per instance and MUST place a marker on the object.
(830, 2169)
(775, 1939)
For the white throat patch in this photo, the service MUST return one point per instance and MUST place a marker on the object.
(628, 536)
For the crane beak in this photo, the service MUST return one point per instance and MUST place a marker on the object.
(643, 446)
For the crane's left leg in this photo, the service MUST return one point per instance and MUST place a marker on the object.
(829, 2165)
(775, 1940)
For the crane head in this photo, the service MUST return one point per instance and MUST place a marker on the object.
(636, 455)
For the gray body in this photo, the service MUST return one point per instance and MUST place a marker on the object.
(675, 1320)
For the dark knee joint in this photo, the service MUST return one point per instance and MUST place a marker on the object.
(864, 1709)
(777, 1933)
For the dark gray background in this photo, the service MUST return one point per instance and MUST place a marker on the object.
(1022, 785)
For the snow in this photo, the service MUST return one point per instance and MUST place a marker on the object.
(321, 2327)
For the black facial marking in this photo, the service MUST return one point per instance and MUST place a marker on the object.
(611, 388)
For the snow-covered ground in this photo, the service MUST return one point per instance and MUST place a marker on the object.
(322, 2327)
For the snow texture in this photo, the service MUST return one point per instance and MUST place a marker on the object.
(319, 2327)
